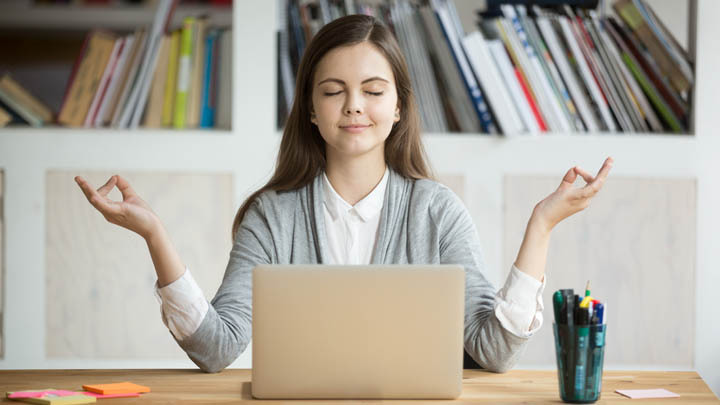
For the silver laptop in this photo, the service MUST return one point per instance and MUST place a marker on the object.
(362, 332)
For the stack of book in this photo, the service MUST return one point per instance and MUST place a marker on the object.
(525, 70)
(152, 77)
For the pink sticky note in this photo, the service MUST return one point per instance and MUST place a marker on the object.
(101, 396)
(41, 394)
(642, 394)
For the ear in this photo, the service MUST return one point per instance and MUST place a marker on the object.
(397, 114)
(313, 118)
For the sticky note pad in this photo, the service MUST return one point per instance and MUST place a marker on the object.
(103, 396)
(51, 396)
(116, 388)
(642, 394)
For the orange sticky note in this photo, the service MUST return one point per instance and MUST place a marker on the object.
(116, 388)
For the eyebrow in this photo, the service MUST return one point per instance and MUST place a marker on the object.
(332, 79)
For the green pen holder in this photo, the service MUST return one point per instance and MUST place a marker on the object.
(579, 351)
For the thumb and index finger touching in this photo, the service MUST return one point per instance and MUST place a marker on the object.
(98, 197)
(593, 183)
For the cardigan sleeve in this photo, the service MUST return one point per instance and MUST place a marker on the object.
(490, 344)
(226, 329)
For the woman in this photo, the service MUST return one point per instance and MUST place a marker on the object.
(351, 186)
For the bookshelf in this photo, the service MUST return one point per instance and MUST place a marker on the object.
(248, 151)
(114, 17)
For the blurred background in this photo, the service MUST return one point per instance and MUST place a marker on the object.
(510, 99)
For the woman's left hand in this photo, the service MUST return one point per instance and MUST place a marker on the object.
(567, 200)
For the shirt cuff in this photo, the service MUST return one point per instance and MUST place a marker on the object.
(519, 303)
(183, 305)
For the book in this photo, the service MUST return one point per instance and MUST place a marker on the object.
(669, 95)
(506, 69)
(648, 87)
(171, 79)
(5, 117)
(597, 97)
(617, 80)
(154, 110)
(527, 62)
(104, 82)
(223, 112)
(574, 86)
(184, 72)
(103, 115)
(192, 114)
(85, 83)
(551, 71)
(638, 95)
(458, 98)
(628, 11)
(421, 76)
(128, 78)
(138, 98)
(209, 88)
(451, 34)
(600, 71)
(489, 78)
(19, 99)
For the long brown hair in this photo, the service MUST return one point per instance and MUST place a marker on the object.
(302, 149)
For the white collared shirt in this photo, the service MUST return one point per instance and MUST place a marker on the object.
(351, 236)
(352, 230)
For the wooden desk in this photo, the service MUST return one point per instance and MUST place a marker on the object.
(233, 386)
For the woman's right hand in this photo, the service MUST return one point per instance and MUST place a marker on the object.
(131, 213)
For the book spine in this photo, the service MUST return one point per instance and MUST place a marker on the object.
(20, 109)
(170, 83)
(499, 54)
(207, 115)
(184, 67)
(489, 78)
(102, 87)
(471, 84)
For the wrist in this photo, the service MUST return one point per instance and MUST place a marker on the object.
(539, 225)
(155, 233)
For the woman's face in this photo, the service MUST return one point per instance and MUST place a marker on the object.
(354, 100)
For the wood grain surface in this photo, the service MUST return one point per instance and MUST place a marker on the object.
(233, 386)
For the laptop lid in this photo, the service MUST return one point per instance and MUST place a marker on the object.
(371, 332)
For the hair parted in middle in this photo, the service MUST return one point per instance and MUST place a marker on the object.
(302, 149)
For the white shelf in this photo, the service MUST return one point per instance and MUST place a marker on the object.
(81, 18)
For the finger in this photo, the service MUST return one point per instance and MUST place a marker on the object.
(585, 175)
(602, 174)
(568, 179)
(86, 188)
(124, 187)
(105, 189)
(96, 200)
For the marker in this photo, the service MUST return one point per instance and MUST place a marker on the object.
(581, 347)
(557, 304)
(599, 313)
(586, 301)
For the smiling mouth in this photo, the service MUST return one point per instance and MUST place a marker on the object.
(355, 129)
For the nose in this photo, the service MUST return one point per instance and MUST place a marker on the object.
(353, 105)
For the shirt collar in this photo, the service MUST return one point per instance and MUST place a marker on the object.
(366, 208)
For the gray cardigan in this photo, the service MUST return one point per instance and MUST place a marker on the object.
(421, 221)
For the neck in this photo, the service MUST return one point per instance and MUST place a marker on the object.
(354, 178)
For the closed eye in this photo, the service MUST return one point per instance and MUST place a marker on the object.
(368, 92)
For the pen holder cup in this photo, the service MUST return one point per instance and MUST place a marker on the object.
(579, 351)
